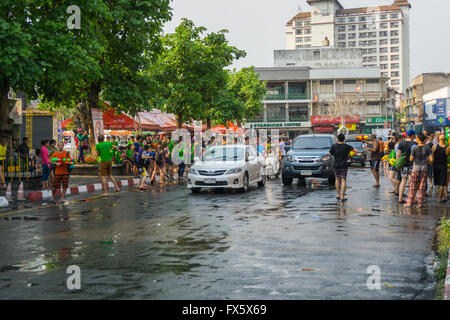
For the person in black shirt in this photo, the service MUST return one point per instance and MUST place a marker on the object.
(341, 152)
(406, 147)
(23, 149)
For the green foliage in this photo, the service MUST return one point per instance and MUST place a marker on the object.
(444, 246)
(444, 235)
(191, 71)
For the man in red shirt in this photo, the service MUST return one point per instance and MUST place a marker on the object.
(61, 171)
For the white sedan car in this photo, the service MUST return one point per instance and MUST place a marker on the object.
(228, 166)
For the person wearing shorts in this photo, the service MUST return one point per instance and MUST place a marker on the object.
(104, 150)
(405, 147)
(375, 159)
(340, 152)
(61, 172)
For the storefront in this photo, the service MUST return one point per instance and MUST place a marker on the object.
(288, 129)
(331, 124)
(377, 123)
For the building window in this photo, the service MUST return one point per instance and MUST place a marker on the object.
(276, 113)
(341, 29)
(352, 44)
(307, 23)
(383, 42)
(352, 27)
(395, 65)
(385, 74)
(307, 31)
(350, 86)
(394, 24)
(372, 42)
(307, 39)
(383, 34)
(395, 49)
(394, 16)
(373, 59)
(363, 43)
(383, 17)
(351, 19)
(395, 74)
(372, 85)
(341, 44)
(363, 35)
(395, 57)
(373, 50)
(298, 40)
(383, 25)
(326, 86)
(395, 82)
(394, 33)
(372, 34)
(363, 18)
(384, 58)
(373, 107)
(384, 66)
(352, 36)
(362, 27)
(297, 113)
(341, 20)
(384, 50)
(395, 41)
(341, 36)
(365, 51)
(299, 32)
(299, 23)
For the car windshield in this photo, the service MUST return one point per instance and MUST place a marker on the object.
(224, 154)
(312, 143)
(356, 145)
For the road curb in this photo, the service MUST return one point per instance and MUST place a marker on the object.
(447, 280)
(41, 195)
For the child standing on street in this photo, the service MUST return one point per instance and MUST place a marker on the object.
(61, 171)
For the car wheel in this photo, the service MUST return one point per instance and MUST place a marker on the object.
(287, 181)
(245, 183)
(302, 182)
(196, 190)
(332, 181)
(262, 183)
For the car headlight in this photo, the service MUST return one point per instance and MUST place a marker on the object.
(193, 171)
(233, 171)
(289, 158)
(325, 158)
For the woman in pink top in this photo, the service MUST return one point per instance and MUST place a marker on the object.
(45, 164)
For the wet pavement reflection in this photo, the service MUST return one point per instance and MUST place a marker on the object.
(275, 242)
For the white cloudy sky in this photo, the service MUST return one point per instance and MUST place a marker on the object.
(258, 27)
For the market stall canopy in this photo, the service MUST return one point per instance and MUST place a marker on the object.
(147, 123)
(69, 123)
(113, 121)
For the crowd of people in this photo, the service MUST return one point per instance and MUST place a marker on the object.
(420, 159)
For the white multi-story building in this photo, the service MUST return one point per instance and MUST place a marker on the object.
(381, 32)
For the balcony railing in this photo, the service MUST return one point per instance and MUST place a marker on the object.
(276, 119)
(298, 118)
(291, 96)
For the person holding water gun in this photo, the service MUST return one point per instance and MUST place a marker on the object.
(63, 162)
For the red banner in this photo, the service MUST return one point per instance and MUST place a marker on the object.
(315, 120)
(323, 129)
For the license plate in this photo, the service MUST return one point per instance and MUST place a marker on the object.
(210, 181)
(306, 172)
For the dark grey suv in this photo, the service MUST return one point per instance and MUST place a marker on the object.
(309, 157)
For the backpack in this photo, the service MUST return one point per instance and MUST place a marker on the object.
(401, 162)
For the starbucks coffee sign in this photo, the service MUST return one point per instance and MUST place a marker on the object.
(268, 125)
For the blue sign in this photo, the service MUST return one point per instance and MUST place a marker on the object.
(441, 107)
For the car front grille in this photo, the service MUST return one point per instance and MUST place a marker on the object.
(218, 183)
(211, 173)
(306, 168)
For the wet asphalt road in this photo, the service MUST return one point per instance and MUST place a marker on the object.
(272, 243)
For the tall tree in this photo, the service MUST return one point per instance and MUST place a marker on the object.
(190, 70)
(242, 97)
(120, 39)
